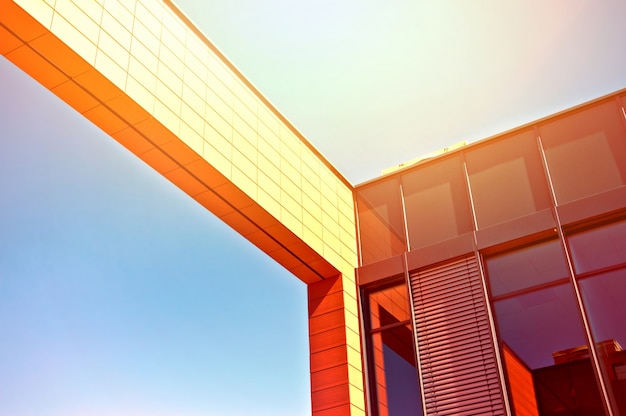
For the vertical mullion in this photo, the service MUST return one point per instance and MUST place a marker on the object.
(587, 329)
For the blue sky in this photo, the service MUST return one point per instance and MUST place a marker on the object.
(119, 295)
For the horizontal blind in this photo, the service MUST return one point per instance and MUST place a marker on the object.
(457, 357)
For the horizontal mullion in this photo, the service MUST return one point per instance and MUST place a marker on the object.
(461, 323)
(467, 345)
(435, 367)
(460, 338)
(488, 376)
(443, 362)
(448, 275)
(445, 292)
(450, 313)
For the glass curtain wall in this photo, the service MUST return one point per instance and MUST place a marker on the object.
(509, 194)
(494, 182)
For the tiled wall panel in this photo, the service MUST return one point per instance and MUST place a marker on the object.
(336, 371)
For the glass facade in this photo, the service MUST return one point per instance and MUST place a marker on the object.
(543, 210)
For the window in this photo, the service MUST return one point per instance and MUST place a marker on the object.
(603, 250)
(524, 268)
(543, 343)
(599, 247)
(586, 152)
(507, 179)
(381, 221)
(394, 384)
(437, 203)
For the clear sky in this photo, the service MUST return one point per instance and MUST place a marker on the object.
(119, 295)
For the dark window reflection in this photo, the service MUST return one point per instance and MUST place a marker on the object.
(598, 248)
(586, 152)
(507, 179)
(539, 324)
(437, 203)
(389, 306)
(602, 249)
(381, 221)
(605, 303)
(394, 384)
(544, 349)
(528, 267)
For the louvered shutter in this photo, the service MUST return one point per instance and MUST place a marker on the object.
(457, 356)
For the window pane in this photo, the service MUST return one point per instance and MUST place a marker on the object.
(538, 324)
(437, 205)
(525, 268)
(389, 306)
(543, 341)
(396, 383)
(381, 221)
(600, 247)
(586, 152)
(603, 296)
(507, 179)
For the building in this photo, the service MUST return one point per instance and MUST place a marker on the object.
(501, 263)
(473, 282)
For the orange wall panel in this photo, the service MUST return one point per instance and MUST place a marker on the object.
(333, 388)
(521, 385)
(70, 91)
(36, 66)
(330, 398)
(8, 41)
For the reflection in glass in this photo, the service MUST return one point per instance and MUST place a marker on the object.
(543, 343)
(397, 386)
(391, 354)
(538, 324)
(600, 247)
(528, 267)
(381, 221)
(388, 306)
(586, 152)
(603, 296)
(507, 179)
(437, 203)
